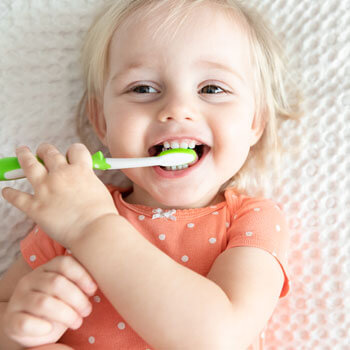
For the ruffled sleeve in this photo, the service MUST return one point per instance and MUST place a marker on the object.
(260, 223)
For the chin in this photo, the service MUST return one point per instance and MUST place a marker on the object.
(179, 200)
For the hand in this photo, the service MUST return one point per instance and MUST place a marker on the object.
(47, 301)
(67, 196)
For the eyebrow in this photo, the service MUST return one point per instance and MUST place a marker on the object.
(218, 65)
(128, 68)
(221, 66)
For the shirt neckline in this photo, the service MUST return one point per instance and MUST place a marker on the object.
(179, 214)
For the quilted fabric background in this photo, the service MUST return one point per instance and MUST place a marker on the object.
(40, 88)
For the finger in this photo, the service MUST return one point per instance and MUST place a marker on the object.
(59, 286)
(79, 154)
(47, 307)
(32, 168)
(73, 270)
(21, 200)
(21, 324)
(51, 156)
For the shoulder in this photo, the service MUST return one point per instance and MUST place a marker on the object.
(242, 203)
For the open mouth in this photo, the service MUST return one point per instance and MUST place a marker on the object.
(199, 149)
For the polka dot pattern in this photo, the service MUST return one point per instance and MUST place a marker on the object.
(184, 258)
(121, 326)
(191, 240)
(91, 340)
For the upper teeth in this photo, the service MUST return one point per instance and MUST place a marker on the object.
(180, 144)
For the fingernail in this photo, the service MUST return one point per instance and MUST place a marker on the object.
(21, 148)
(91, 287)
(78, 323)
(87, 311)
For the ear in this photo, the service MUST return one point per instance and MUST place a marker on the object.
(257, 129)
(97, 119)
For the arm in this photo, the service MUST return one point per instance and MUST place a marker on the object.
(144, 284)
(157, 296)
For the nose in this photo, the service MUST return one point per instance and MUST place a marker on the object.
(177, 108)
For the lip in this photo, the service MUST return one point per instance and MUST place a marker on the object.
(181, 173)
(178, 137)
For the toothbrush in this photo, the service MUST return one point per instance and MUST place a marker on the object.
(10, 168)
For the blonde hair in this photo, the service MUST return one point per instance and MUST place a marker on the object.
(272, 80)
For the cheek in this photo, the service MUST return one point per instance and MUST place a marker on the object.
(231, 141)
(125, 134)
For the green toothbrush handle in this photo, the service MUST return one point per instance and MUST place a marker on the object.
(10, 168)
(99, 162)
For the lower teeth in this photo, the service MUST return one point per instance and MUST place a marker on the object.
(172, 168)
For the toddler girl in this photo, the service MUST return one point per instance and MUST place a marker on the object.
(181, 259)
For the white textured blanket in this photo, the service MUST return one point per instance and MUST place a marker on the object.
(40, 88)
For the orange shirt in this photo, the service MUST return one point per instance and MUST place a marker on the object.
(192, 237)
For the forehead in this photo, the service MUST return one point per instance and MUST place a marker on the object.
(153, 34)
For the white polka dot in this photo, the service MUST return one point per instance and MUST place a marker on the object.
(91, 340)
(234, 218)
(256, 209)
(141, 217)
(190, 225)
(249, 234)
(184, 258)
(32, 258)
(212, 240)
(162, 237)
(121, 325)
(227, 224)
(278, 228)
(36, 230)
(97, 299)
(215, 213)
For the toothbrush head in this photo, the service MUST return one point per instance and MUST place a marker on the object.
(178, 156)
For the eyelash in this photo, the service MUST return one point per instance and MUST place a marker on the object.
(209, 85)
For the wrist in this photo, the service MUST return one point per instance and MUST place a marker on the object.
(94, 227)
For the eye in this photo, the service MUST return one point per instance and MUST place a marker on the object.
(143, 89)
(213, 89)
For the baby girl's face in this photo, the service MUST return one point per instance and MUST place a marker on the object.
(195, 85)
